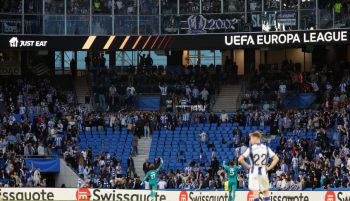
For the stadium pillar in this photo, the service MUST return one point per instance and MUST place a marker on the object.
(111, 58)
(62, 61)
(23, 59)
(51, 62)
(249, 61)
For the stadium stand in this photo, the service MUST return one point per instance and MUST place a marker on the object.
(302, 107)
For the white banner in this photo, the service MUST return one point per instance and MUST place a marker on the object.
(73, 194)
(10, 68)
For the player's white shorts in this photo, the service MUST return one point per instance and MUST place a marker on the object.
(258, 182)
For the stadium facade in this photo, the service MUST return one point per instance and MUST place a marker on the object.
(178, 32)
(143, 17)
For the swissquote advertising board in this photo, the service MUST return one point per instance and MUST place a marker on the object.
(176, 42)
(143, 195)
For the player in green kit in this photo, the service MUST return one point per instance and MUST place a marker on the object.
(232, 172)
(153, 178)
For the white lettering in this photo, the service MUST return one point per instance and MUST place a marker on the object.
(282, 39)
(26, 43)
(236, 40)
(344, 36)
(325, 37)
(320, 37)
(244, 39)
(260, 40)
(296, 38)
(312, 37)
(288, 38)
(228, 43)
(328, 36)
(274, 39)
(40, 43)
(250, 41)
(306, 40)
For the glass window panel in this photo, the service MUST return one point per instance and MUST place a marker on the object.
(10, 6)
(149, 24)
(271, 5)
(101, 7)
(289, 4)
(33, 6)
(54, 7)
(10, 24)
(58, 60)
(122, 7)
(169, 6)
(254, 5)
(149, 7)
(170, 24)
(189, 6)
(54, 24)
(234, 6)
(211, 6)
(33, 24)
(307, 19)
(341, 15)
(218, 57)
(307, 4)
(193, 57)
(78, 7)
(81, 60)
(106, 56)
(125, 25)
(119, 58)
(287, 20)
(207, 57)
(68, 56)
(78, 25)
(326, 18)
(159, 58)
(126, 58)
(102, 25)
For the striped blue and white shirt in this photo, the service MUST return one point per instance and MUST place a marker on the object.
(186, 117)
(259, 155)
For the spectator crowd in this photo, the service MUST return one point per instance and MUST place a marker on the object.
(40, 119)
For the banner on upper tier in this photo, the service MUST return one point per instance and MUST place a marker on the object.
(143, 195)
(176, 42)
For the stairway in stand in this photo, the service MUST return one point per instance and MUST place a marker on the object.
(81, 89)
(227, 99)
(144, 146)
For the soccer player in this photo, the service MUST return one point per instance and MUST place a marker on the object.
(153, 177)
(232, 179)
(258, 155)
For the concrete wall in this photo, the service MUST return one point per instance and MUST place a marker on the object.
(66, 176)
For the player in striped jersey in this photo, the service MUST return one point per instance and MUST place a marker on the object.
(258, 155)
